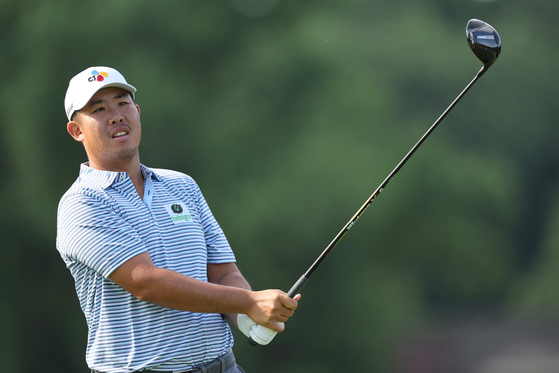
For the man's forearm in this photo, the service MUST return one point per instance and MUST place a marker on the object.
(232, 277)
(177, 291)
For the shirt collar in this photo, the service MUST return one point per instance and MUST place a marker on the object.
(149, 173)
(105, 179)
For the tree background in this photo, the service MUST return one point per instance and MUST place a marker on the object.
(289, 114)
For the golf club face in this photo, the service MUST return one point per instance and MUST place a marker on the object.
(484, 41)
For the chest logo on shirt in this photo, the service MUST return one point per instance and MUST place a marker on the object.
(179, 213)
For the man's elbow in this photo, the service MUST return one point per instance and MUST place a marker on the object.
(139, 282)
(143, 294)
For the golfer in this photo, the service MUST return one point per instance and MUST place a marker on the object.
(154, 273)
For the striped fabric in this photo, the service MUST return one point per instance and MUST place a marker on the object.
(102, 223)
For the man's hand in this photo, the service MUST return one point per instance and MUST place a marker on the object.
(272, 308)
(269, 308)
(276, 307)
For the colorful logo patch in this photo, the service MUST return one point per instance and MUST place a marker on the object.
(97, 76)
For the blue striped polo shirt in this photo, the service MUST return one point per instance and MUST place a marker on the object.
(102, 223)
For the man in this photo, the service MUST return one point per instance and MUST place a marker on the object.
(154, 273)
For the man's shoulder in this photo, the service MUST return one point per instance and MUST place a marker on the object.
(80, 191)
(173, 176)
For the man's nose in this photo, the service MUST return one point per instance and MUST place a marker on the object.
(117, 120)
(116, 117)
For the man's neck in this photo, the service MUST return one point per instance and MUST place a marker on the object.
(132, 168)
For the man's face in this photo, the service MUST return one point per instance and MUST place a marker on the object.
(109, 128)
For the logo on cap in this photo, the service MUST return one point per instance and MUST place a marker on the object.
(97, 76)
(70, 109)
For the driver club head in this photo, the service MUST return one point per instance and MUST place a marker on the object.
(484, 41)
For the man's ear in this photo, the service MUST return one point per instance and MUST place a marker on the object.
(74, 130)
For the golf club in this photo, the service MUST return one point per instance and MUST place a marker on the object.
(486, 45)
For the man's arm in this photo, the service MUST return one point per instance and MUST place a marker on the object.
(226, 293)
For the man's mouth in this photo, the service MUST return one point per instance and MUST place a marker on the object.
(120, 134)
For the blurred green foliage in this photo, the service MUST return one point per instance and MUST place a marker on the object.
(289, 115)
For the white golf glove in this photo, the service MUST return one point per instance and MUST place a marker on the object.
(258, 333)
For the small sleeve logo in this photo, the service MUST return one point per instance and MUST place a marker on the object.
(179, 213)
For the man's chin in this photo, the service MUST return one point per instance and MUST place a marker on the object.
(124, 155)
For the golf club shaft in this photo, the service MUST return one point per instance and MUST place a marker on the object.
(303, 280)
(296, 288)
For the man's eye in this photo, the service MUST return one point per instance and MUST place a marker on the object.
(122, 103)
(99, 109)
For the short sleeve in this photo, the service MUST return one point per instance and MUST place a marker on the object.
(93, 234)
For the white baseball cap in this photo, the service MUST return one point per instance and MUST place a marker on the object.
(84, 85)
